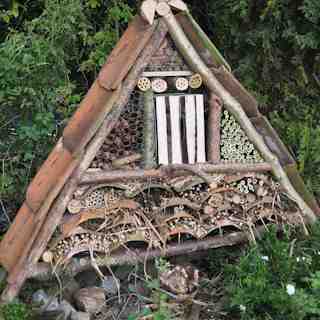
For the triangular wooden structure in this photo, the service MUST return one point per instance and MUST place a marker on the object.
(217, 177)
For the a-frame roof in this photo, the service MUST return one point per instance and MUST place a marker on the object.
(50, 190)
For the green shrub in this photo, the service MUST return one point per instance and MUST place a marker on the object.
(15, 311)
(278, 279)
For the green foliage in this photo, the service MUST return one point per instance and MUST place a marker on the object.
(278, 279)
(15, 311)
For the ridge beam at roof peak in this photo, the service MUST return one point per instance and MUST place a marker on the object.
(149, 8)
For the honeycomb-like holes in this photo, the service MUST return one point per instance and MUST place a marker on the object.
(235, 145)
(126, 138)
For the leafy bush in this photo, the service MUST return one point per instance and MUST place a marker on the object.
(15, 311)
(278, 279)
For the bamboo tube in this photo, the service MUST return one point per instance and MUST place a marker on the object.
(232, 105)
(144, 84)
(149, 133)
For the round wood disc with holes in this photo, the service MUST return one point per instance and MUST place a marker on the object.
(144, 84)
(182, 84)
(195, 81)
(74, 206)
(159, 85)
(47, 257)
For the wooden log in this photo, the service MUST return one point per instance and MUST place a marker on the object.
(214, 128)
(159, 85)
(26, 263)
(190, 109)
(148, 10)
(144, 84)
(178, 4)
(163, 155)
(201, 139)
(235, 108)
(163, 9)
(43, 271)
(149, 134)
(195, 81)
(102, 176)
(175, 118)
(118, 163)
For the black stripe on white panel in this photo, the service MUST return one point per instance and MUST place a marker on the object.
(181, 129)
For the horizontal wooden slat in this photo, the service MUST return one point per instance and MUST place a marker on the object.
(125, 53)
(105, 176)
(153, 74)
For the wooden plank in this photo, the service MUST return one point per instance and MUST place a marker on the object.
(175, 117)
(15, 239)
(97, 103)
(201, 139)
(204, 46)
(155, 74)
(237, 90)
(273, 141)
(126, 53)
(163, 156)
(190, 110)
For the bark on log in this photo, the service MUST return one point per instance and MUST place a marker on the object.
(149, 133)
(232, 105)
(27, 262)
(214, 128)
(43, 271)
(101, 176)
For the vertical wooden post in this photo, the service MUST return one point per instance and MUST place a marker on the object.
(214, 127)
(149, 130)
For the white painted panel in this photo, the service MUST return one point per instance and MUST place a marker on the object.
(201, 140)
(190, 110)
(152, 74)
(175, 116)
(162, 130)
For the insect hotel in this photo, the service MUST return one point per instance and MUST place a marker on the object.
(166, 155)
